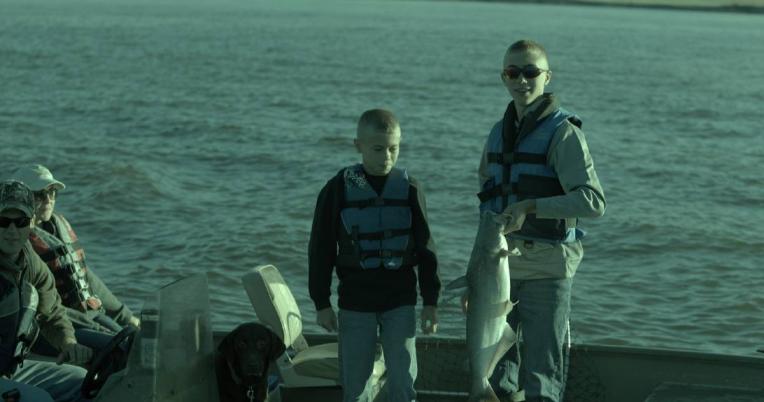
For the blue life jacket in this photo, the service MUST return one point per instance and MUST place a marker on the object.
(18, 322)
(379, 226)
(530, 177)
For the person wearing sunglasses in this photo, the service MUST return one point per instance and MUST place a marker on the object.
(30, 306)
(537, 171)
(91, 306)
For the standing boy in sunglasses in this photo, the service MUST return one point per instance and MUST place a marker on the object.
(90, 304)
(536, 169)
(370, 223)
(30, 306)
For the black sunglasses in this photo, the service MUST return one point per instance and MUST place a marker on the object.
(40, 195)
(20, 222)
(529, 72)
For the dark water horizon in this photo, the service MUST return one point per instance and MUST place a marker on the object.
(745, 7)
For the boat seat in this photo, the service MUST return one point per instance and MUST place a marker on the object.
(682, 392)
(303, 365)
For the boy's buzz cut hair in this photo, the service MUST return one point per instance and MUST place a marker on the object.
(527, 45)
(378, 120)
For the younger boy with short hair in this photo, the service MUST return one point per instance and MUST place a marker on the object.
(370, 223)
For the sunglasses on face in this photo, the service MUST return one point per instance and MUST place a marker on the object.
(40, 196)
(529, 72)
(20, 222)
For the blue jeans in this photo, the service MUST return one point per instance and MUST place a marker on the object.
(539, 365)
(86, 336)
(46, 381)
(358, 345)
(106, 322)
(93, 339)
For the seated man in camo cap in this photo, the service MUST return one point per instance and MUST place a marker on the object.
(30, 306)
(90, 304)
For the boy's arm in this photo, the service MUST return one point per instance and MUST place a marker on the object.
(569, 157)
(322, 249)
(427, 266)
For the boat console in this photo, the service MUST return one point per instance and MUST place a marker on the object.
(170, 358)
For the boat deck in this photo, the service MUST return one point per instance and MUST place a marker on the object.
(600, 373)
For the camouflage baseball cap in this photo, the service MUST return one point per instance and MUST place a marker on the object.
(37, 177)
(15, 194)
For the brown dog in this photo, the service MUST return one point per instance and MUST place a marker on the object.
(242, 360)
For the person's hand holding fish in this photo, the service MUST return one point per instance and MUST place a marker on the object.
(514, 215)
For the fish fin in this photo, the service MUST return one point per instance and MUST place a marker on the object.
(509, 306)
(508, 338)
(458, 283)
(515, 252)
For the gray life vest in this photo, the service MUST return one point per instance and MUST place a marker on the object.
(530, 177)
(379, 225)
(18, 322)
(66, 260)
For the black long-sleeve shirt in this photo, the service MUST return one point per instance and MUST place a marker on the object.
(369, 290)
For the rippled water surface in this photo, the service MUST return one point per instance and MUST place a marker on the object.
(194, 137)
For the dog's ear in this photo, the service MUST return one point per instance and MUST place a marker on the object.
(226, 346)
(277, 346)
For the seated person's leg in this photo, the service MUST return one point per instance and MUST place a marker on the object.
(92, 320)
(95, 340)
(107, 322)
(27, 392)
(62, 382)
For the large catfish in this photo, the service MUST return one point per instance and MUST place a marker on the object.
(487, 281)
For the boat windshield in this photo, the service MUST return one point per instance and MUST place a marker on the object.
(171, 358)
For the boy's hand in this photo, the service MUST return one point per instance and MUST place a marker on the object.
(429, 319)
(327, 319)
(515, 214)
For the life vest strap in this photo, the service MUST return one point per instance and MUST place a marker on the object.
(506, 158)
(382, 254)
(381, 235)
(497, 191)
(377, 202)
(352, 259)
(53, 253)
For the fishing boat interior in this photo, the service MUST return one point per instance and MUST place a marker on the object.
(170, 359)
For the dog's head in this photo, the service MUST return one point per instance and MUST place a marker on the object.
(248, 350)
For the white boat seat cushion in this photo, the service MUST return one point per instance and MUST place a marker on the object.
(321, 361)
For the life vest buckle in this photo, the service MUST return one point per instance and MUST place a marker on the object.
(69, 268)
